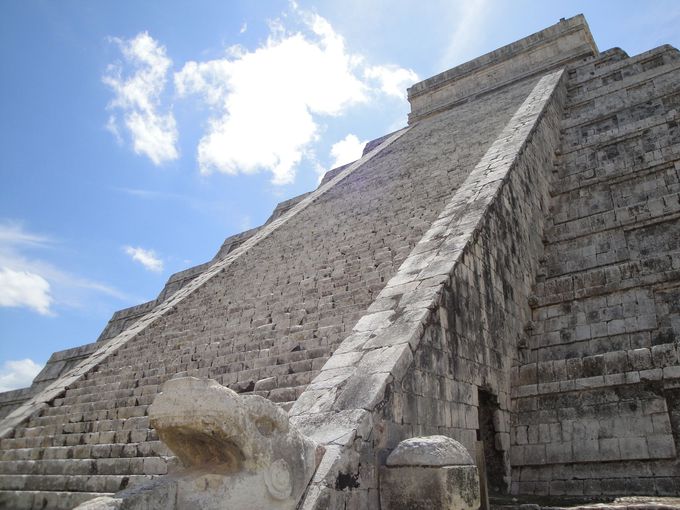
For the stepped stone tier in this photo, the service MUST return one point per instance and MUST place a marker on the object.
(504, 271)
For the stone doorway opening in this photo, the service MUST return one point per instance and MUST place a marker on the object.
(493, 458)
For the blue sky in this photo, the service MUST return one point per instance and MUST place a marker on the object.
(136, 136)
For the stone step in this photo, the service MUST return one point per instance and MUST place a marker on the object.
(286, 394)
(626, 155)
(611, 112)
(90, 411)
(101, 466)
(82, 422)
(586, 68)
(593, 76)
(575, 152)
(117, 395)
(151, 448)
(52, 500)
(71, 483)
(294, 373)
(89, 399)
(232, 363)
(289, 380)
(602, 281)
(606, 363)
(138, 428)
(135, 431)
(95, 422)
(148, 360)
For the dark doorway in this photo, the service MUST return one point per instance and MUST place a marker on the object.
(493, 458)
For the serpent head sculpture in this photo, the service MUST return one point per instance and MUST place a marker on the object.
(237, 451)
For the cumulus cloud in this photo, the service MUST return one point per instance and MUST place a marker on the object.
(346, 150)
(18, 374)
(21, 288)
(146, 258)
(36, 284)
(137, 98)
(266, 99)
(268, 103)
(392, 80)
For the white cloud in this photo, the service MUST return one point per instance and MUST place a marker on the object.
(35, 283)
(12, 233)
(244, 28)
(18, 374)
(138, 96)
(268, 103)
(471, 17)
(346, 150)
(21, 288)
(147, 258)
(393, 80)
(266, 99)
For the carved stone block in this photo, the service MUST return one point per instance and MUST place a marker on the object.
(429, 472)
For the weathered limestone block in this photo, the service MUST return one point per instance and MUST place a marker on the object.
(236, 449)
(236, 452)
(434, 472)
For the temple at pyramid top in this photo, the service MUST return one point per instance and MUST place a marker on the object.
(568, 41)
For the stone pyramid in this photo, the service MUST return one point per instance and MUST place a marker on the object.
(504, 271)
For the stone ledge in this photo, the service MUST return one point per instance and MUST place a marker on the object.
(539, 53)
(604, 113)
(630, 131)
(588, 503)
(668, 373)
(626, 82)
(657, 447)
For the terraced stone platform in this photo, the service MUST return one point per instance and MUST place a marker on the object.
(504, 271)
(597, 395)
(267, 323)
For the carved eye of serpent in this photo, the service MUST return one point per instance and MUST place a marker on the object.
(277, 479)
(265, 426)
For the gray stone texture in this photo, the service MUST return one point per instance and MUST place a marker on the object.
(503, 272)
(594, 391)
(427, 487)
(430, 451)
(278, 310)
(440, 353)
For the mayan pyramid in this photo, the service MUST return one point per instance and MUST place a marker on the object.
(504, 271)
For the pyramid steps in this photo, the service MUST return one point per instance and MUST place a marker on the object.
(43, 499)
(267, 323)
(590, 390)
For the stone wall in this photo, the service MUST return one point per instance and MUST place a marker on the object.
(446, 324)
(596, 393)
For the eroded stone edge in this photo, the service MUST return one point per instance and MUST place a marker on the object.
(383, 341)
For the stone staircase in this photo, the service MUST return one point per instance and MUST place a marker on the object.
(265, 324)
(601, 368)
